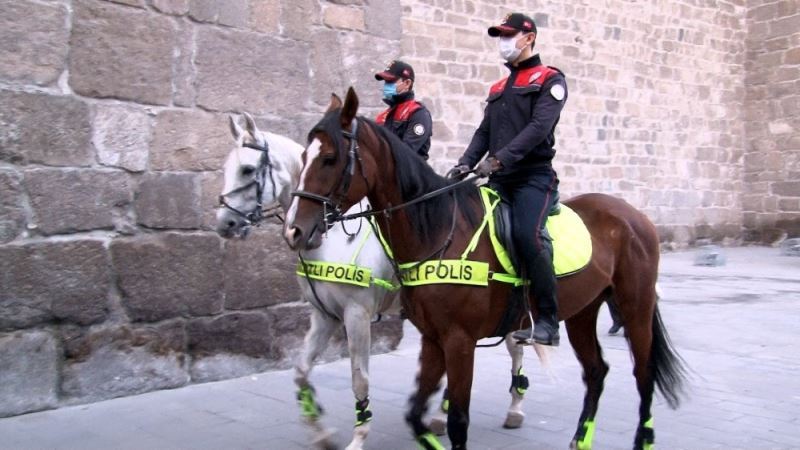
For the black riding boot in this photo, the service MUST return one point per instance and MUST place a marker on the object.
(543, 287)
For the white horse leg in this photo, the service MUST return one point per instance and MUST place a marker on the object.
(357, 324)
(519, 384)
(315, 341)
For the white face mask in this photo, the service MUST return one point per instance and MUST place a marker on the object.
(508, 48)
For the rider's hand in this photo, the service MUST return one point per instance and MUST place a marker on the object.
(457, 172)
(488, 166)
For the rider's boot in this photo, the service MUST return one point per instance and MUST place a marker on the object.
(543, 287)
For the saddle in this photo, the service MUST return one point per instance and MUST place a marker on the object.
(572, 243)
(502, 225)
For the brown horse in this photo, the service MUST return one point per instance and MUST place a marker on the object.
(350, 157)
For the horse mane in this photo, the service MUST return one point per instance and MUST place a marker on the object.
(416, 178)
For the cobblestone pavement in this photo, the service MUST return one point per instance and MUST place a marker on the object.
(736, 326)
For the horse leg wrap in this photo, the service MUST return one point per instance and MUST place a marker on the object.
(309, 407)
(428, 441)
(645, 436)
(585, 435)
(363, 414)
(445, 402)
(519, 382)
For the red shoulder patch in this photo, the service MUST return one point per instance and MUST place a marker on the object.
(498, 87)
(534, 75)
(404, 110)
(381, 119)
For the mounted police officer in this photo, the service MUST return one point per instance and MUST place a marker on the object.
(517, 131)
(406, 117)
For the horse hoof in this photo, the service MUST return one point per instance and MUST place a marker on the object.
(573, 445)
(438, 426)
(514, 420)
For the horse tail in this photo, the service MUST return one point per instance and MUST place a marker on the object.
(669, 368)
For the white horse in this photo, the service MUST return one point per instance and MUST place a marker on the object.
(260, 173)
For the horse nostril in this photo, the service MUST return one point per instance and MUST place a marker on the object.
(231, 224)
(293, 236)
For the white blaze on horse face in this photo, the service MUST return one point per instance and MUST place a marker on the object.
(312, 153)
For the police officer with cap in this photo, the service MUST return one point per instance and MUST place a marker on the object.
(517, 132)
(406, 117)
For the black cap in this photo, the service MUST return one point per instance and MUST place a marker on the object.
(512, 24)
(396, 69)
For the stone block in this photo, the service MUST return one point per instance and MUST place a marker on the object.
(44, 129)
(33, 42)
(329, 75)
(259, 270)
(122, 360)
(382, 19)
(175, 7)
(183, 82)
(366, 52)
(234, 13)
(190, 140)
(248, 334)
(70, 200)
(12, 211)
(204, 10)
(344, 17)
(787, 188)
(65, 281)
(297, 18)
(169, 200)
(211, 186)
(29, 375)
(169, 275)
(121, 53)
(239, 70)
(265, 15)
(121, 137)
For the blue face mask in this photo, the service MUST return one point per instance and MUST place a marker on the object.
(389, 90)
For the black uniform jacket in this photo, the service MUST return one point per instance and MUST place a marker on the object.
(410, 121)
(520, 118)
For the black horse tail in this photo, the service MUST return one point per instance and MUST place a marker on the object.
(669, 368)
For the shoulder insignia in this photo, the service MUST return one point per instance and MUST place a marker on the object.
(557, 91)
(419, 129)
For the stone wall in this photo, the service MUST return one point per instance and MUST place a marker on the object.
(771, 195)
(655, 112)
(112, 135)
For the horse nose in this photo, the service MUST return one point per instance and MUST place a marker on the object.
(226, 225)
(293, 236)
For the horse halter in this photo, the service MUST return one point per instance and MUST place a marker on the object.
(332, 211)
(265, 166)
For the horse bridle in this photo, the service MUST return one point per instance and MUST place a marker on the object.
(264, 168)
(332, 211)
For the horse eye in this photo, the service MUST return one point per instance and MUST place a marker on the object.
(248, 170)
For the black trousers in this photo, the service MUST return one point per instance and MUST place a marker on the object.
(531, 199)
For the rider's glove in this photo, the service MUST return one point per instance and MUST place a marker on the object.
(457, 172)
(488, 166)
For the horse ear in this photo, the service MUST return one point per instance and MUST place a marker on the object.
(336, 103)
(350, 107)
(236, 130)
(250, 124)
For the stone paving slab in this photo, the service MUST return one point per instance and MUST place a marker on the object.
(736, 326)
